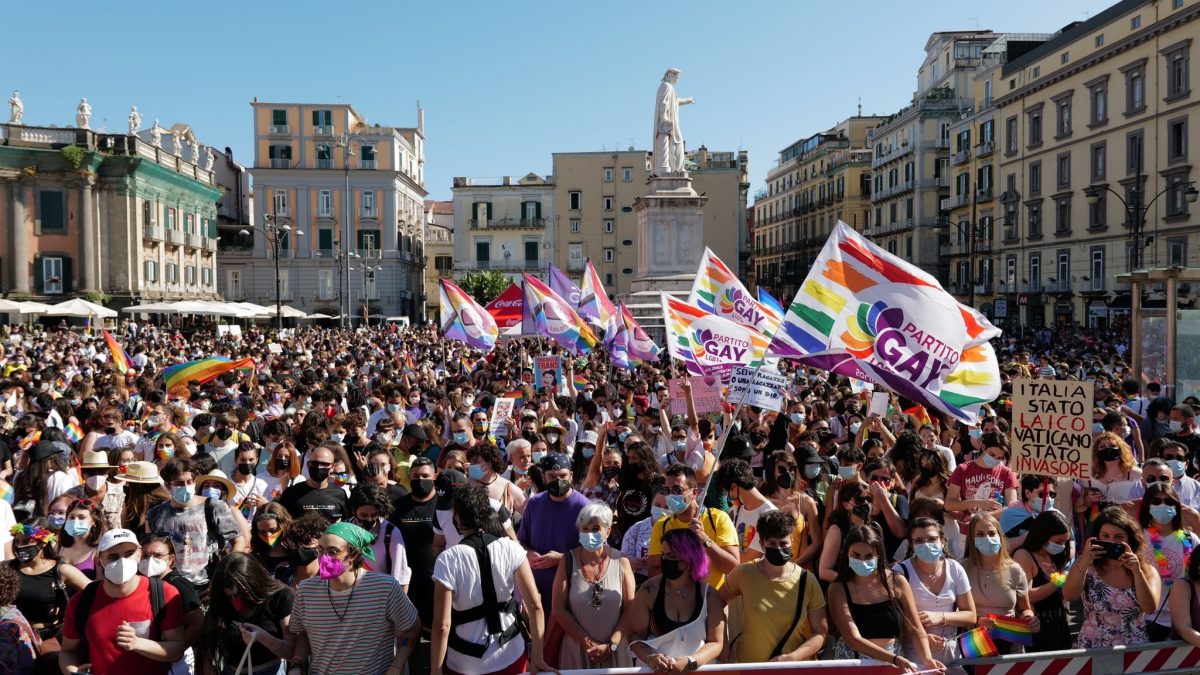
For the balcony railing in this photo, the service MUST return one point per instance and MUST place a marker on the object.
(278, 129)
(174, 237)
(208, 244)
(366, 164)
(152, 233)
(324, 162)
(324, 253)
(962, 199)
(192, 240)
(501, 265)
(322, 130)
(373, 253)
(984, 149)
(961, 156)
(983, 195)
(277, 163)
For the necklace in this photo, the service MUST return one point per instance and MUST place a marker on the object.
(1160, 557)
(682, 592)
(601, 567)
(346, 609)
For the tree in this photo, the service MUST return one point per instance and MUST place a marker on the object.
(484, 286)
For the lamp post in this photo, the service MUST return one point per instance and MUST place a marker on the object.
(347, 152)
(1135, 213)
(365, 266)
(275, 232)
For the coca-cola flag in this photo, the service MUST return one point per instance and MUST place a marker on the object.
(506, 307)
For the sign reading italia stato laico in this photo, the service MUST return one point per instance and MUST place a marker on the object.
(1052, 428)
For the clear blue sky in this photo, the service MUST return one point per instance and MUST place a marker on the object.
(503, 84)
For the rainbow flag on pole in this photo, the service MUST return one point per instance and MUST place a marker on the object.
(176, 378)
(594, 304)
(628, 344)
(707, 343)
(866, 314)
(517, 395)
(73, 431)
(120, 359)
(977, 644)
(718, 291)
(464, 320)
(1011, 629)
(546, 313)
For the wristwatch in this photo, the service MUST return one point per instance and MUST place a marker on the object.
(612, 647)
(692, 664)
(708, 543)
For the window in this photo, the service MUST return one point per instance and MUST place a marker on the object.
(1035, 221)
(279, 122)
(1035, 272)
(608, 254)
(281, 203)
(1133, 152)
(1062, 117)
(325, 284)
(1135, 23)
(1100, 40)
(1177, 140)
(627, 174)
(234, 279)
(1010, 273)
(1035, 127)
(1097, 212)
(189, 275)
(1176, 4)
(369, 243)
(964, 275)
(285, 287)
(151, 271)
(627, 242)
(608, 226)
(172, 273)
(368, 204)
(575, 256)
(325, 240)
(1177, 60)
(608, 174)
(1035, 178)
(281, 156)
(53, 281)
(322, 122)
(1010, 135)
(366, 156)
(1062, 215)
(1063, 274)
(483, 253)
(170, 219)
(1177, 204)
(1098, 93)
(531, 252)
(189, 223)
(1099, 162)
(1065, 58)
(1036, 72)
(324, 156)
(206, 275)
(325, 203)
(51, 212)
(1177, 252)
(370, 287)
(1098, 268)
(574, 200)
(608, 278)
(1064, 171)
(608, 203)
(574, 225)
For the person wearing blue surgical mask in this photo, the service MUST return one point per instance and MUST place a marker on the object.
(592, 585)
(1045, 556)
(1161, 518)
(714, 527)
(940, 587)
(872, 607)
(984, 485)
(486, 465)
(850, 461)
(998, 584)
(1170, 469)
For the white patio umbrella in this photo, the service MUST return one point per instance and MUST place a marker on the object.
(259, 310)
(151, 308)
(317, 315)
(31, 307)
(9, 306)
(288, 312)
(81, 308)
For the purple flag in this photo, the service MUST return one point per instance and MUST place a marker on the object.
(566, 289)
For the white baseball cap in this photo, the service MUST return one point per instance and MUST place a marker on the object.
(113, 537)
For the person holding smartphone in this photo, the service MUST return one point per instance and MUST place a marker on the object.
(1116, 584)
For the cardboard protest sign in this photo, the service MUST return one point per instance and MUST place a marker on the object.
(764, 389)
(501, 412)
(1052, 427)
(706, 392)
(547, 373)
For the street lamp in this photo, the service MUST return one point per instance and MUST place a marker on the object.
(347, 152)
(1135, 213)
(275, 233)
(365, 266)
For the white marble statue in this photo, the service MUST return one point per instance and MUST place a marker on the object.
(135, 121)
(194, 147)
(16, 107)
(177, 144)
(668, 137)
(83, 114)
(156, 134)
(209, 158)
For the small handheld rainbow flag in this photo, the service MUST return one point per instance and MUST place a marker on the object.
(1011, 629)
(409, 366)
(120, 359)
(977, 644)
(6, 492)
(73, 431)
(581, 382)
(518, 396)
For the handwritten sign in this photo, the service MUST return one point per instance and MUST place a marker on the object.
(764, 389)
(706, 392)
(1052, 428)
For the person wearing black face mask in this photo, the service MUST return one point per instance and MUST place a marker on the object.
(414, 514)
(783, 608)
(548, 529)
(251, 491)
(316, 493)
(735, 477)
(43, 597)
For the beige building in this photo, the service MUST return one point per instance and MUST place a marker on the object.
(439, 252)
(503, 224)
(815, 182)
(594, 218)
(1098, 114)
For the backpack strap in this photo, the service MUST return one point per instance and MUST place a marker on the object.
(801, 596)
(210, 520)
(387, 547)
(83, 610)
(158, 603)
(489, 611)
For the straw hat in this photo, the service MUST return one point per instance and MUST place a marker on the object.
(141, 472)
(95, 459)
(218, 476)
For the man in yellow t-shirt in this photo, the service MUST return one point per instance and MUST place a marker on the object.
(783, 615)
(713, 527)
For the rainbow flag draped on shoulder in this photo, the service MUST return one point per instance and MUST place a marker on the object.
(718, 291)
(628, 344)
(120, 359)
(594, 304)
(866, 314)
(708, 344)
(177, 377)
(546, 313)
(464, 320)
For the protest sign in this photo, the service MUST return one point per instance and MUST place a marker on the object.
(501, 413)
(764, 389)
(548, 373)
(879, 404)
(275, 348)
(1052, 428)
(706, 392)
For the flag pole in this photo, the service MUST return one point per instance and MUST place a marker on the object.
(729, 428)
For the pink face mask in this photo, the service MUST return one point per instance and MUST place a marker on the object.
(330, 568)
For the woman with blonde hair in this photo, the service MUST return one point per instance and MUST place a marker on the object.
(998, 584)
(1114, 475)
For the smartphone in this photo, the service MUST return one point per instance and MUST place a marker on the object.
(1113, 550)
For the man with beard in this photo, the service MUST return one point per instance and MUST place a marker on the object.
(548, 530)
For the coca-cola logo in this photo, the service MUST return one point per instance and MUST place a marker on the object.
(506, 304)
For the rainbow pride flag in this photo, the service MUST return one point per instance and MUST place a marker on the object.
(546, 313)
(73, 431)
(707, 343)
(6, 492)
(594, 304)
(176, 377)
(517, 395)
(977, 644)
(1011, 629)
(718, 291)
(464, 320)
(120, 359)
(628, 344)
(581, 382)
(865, 313)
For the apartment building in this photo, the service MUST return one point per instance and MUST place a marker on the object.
(503, 224)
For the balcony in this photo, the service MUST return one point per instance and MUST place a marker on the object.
(277, 163)
(983, 195)
(324, 162)
(366, 164)
(324, 253)
(234, 248)
(937, 144)
(174, 237)
(500, 265)
(961, 157)
(192, 240)
(527, 223)
(984, 149)
(279, 129)
(152, 232)
(1090, 286)
(1058, 286)
(961, 199)
(370, 253)
(323, 130)
(208, 244)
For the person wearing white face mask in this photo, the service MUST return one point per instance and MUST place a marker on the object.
(101, 484)
(1171, 467)
(1182, 424)
(112, 624)
(941, 590)
(985, 484)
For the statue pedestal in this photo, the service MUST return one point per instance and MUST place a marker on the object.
(670, 243)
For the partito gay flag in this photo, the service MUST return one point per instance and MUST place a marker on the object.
(120, 359)
(177, 377)
(718, 291)
(546, 313)
(464, 320)
(594, 304)
(628, 344)
(865, 313)
(708, 344)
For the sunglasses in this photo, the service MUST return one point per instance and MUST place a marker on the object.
(676, 490)
(81, 504)
(1167, 458)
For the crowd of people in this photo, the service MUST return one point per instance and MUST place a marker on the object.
(356, 504)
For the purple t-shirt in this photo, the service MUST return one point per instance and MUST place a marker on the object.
(547, 526)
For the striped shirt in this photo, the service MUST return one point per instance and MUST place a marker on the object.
(363, 640)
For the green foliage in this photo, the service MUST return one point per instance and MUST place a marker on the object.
(98, 297)
(484, 286)
(75, 155)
